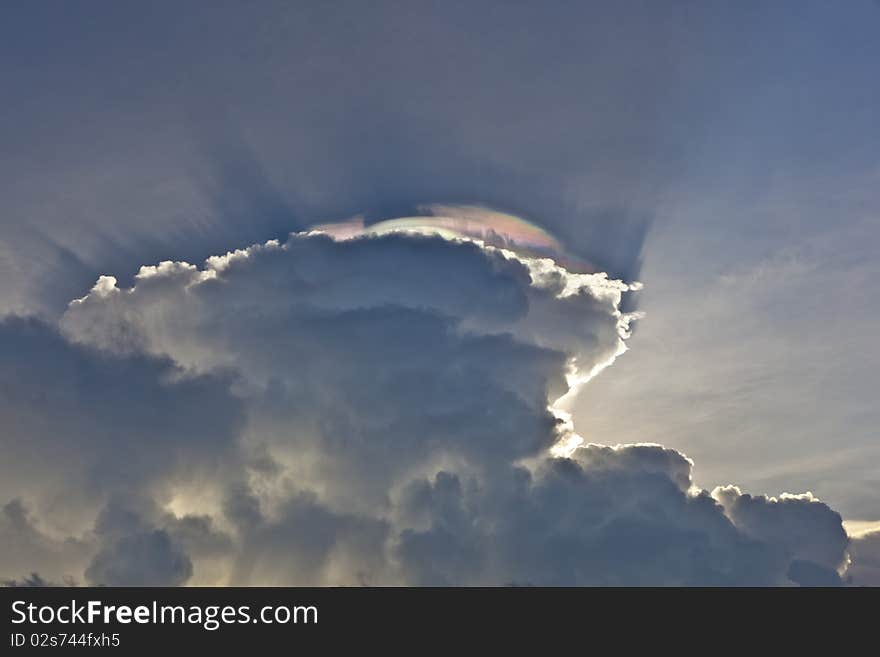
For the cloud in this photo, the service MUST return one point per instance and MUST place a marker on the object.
(800, 524)
(865, 554)
(81, 427)
(623, 515)
(393, 350)
(80, 423)
(375, 410)
(32, 580)
(141, 559)
(25, 547)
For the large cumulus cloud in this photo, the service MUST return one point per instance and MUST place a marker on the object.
(378, 410)
(83, 427)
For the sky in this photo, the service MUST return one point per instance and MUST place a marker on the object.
(673, 266)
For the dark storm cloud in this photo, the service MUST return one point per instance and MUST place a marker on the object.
(308, 543)
(378, 351)
(398, 418)
(110, 423)
(394, 397)
(142, 545)
(80, 426)
(608, 516)
(140, 559)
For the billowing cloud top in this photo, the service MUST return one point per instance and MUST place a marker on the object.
(381, 405)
